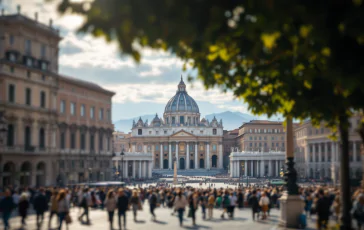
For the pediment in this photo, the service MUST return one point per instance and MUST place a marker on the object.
(182, 133)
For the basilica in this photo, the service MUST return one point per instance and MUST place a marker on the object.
(181, 136)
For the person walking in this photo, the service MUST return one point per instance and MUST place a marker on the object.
(180, 203)
(225, 204)
(323, 210)
(153, 202)
(23, 206)
(264, 205)
(6, 206)
(63, 208)
(193, 205)
(233, 201)
(358, 211)
(122, 205)
(254, 204)
(210, 205)
(40, 205)
(85, 203)
(135, 203)
(54, 208)
(110, 204)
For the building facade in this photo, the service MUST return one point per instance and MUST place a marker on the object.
(317, 156)
(256, 164)
(261, 135)
(229, 141)
(31, 91)
(121, 142)
(180, 136)
(133, 165)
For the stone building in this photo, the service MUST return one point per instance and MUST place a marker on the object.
(261, 135)
(121, 142)
(317, 156)
(43, 145)
(229, 140)
(180, 136)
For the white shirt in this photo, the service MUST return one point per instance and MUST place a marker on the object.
(233, 200)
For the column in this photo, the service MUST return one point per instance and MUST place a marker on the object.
(150, 170)
(314, 159)
(145, 169)
(34, 130)
(354, 151)
(221, 158)
(257, 167)
(208, 155)
(177, 160)
(196, 155)
(246, 168)
(125, 169)
(319, 153)
(262, 168)
(231, 168)
(251, 168)
(153, 157)
(187, 162)
(237, 168)
(161, 157)
(170, 157)
(134, 169)
(140, 169)
(333, 155)
(145, 147)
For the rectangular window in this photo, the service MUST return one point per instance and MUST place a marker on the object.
(10, 136)
(251, 144)
(28, 46)
(11, 39)
(11, 96)
(165, 147)
(173, 120)
(214, 147)
(92, 112)
(156, 147)
(63, 140)
(108, 116)
(140, 131)
(182, 119)
(62, 106)
(28, 96)
(83, 141)
(214, 131)
(101, 143)
(73, 140)
(101, 114)
(43, 50)
(73, 108)
(42, 99)
(82, 110)
(92, 143)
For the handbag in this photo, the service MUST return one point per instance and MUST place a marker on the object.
(68, 219)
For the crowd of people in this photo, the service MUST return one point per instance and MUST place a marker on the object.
(213, 202)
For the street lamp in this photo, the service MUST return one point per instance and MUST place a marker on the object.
(3, 128)
(122, 164)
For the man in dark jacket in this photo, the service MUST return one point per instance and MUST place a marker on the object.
(254, 203)
(122, 205)
(6, 206)
(40, 206)
(323, 210)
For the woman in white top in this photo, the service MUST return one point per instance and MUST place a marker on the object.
(180, 203)
(264, 204)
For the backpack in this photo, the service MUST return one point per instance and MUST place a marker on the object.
(302, 222)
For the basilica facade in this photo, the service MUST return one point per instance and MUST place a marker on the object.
(180, 136)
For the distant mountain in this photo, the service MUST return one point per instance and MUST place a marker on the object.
(231, 120)
(124, 125)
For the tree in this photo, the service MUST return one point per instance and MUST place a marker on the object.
(300, 58)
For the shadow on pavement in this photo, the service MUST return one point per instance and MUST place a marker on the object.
(196, 227)
(159, 222)
(140, 221)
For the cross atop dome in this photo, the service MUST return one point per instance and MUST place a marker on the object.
(181, 85)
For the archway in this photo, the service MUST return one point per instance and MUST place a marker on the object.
(8, 174)
(214, 161)
(25, 171)
(202, 164)
(182, 163)
(41, 172)
(192, 165)
(165, 163)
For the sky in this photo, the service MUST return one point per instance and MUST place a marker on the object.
(143, 88)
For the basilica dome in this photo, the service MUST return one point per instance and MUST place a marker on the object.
(181, 102)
